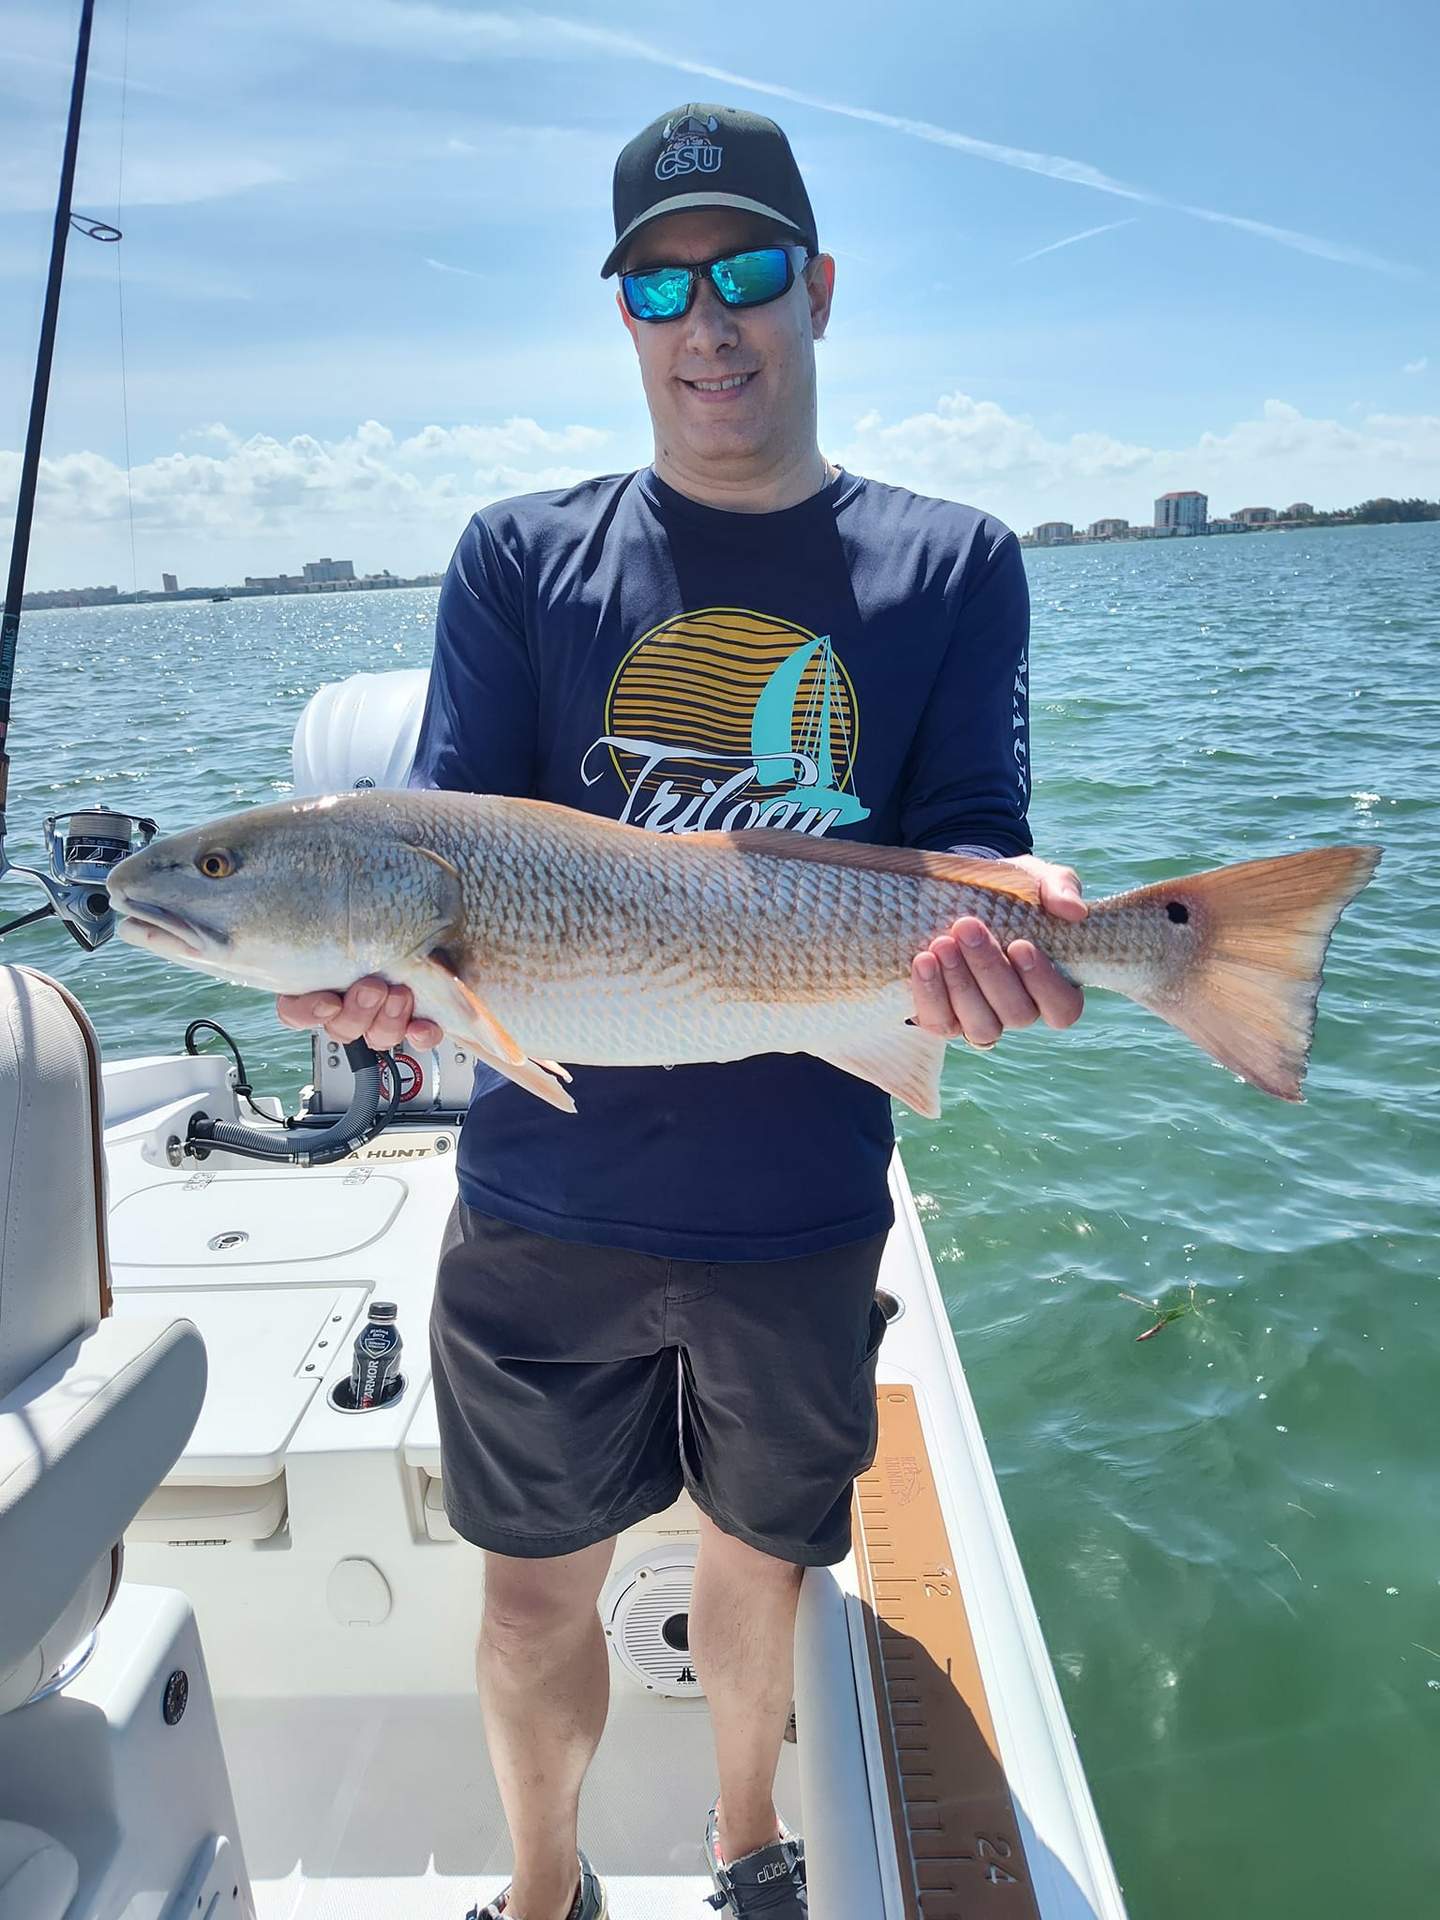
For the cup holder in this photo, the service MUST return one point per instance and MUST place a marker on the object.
(890, 1304)
(342, 1402)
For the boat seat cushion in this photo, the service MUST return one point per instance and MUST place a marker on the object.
(38, 1877)
(93, 1412)
(54, 1276)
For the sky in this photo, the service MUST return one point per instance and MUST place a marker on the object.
(1084, 255)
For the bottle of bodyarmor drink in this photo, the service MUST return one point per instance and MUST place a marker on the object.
(376, 1361)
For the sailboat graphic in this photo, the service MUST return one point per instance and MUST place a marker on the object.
(777, 742)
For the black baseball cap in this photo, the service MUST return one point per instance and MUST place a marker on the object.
(702, 156)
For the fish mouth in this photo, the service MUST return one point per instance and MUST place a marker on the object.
(144, 920)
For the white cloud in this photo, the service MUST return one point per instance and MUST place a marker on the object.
(253, 505)
(973, 450)
(221, 506)
(517, 441)
(256, 484)
(1416, 366)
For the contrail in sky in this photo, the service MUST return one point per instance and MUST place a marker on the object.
(443, 266)
(451, 31)
(1090, 233)
(91, 73)
(1054, 165)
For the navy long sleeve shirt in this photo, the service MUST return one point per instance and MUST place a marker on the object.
(854, 665)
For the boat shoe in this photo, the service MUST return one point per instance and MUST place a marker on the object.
(590, 1901)
(769, 1882)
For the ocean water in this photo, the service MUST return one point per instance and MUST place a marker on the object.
(1232, 1530)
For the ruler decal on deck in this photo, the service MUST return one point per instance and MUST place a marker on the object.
(959, 1840)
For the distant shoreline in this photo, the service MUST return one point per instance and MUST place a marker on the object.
(1146, 536)
(67, 599)
(62, 600)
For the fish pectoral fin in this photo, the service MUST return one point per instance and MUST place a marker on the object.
(466, 1013)
(905, 1062)
(463, 1014)
(449, 901)
(537, 1077)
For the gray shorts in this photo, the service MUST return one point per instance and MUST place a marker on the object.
(578, 1388)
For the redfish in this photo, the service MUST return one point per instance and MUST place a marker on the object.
(544, 937)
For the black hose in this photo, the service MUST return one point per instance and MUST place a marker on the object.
(360, 1122)
(242, 1079)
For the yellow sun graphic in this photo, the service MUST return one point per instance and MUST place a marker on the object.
(695, 682)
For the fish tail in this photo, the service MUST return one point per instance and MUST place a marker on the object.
(1248, 996)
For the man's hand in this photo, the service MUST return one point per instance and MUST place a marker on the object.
(965, 984)
(371, 1010)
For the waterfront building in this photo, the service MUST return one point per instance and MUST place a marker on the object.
(328, 569)
(1225, 526)
(1182, 512)
(1299, 510)
(168, 583)
(1254, 516)
(71, 597)
(1108, 529)
(1054, 533)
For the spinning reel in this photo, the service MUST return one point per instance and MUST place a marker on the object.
(80, 849)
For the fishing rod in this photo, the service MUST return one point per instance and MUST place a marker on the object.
(82, 847)
(80, 852)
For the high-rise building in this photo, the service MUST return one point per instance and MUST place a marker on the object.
(1108, 529)
(167, 581)
(1054, 533)
(1254, 516)
(328, 569)
(1181, 513)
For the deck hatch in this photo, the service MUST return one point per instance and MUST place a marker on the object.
(249, 1220)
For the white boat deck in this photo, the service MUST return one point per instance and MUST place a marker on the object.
(385, 1807)
(338, 1612)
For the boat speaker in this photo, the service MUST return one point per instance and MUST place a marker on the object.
(646, 1613)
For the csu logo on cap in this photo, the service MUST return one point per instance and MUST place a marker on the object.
(688, 147)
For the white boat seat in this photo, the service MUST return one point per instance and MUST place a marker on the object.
(38, 1876)
(93, 1411)
(360, 732)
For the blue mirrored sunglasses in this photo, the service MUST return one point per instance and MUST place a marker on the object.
(748, 279)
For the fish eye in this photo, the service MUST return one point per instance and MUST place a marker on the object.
(217, 863)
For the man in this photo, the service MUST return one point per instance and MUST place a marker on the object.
(740, 634)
